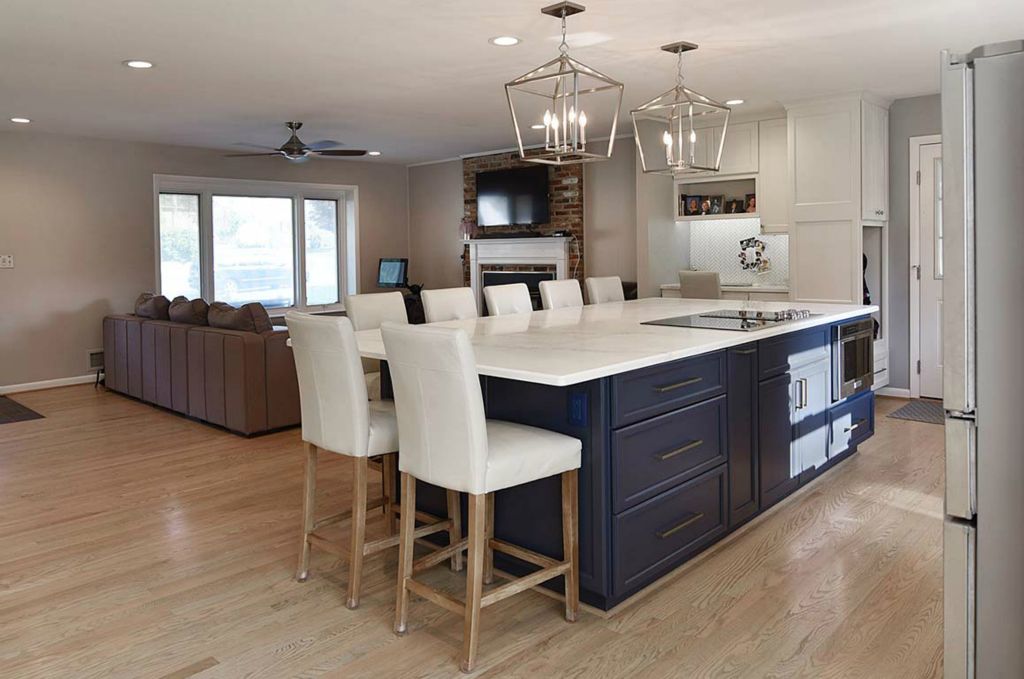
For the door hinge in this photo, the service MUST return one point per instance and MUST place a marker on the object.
(919, 367)
(918, 177)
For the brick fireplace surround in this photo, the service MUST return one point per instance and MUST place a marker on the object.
(565, 188)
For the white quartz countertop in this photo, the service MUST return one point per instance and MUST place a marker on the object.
(738, 288)
(561, 347)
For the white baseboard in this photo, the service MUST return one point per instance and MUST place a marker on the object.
(46, 384)
(894, 391)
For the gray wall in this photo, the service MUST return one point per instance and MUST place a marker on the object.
(435, 215)
(908, 118)
(77, 214)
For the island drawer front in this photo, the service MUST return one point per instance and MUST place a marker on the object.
(655, 536)
(652, 456)
(779, 355)
(648, 392)
(851, 422)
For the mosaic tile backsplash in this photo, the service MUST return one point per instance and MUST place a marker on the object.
(715, 246)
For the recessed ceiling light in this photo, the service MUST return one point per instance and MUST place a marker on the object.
(733, 102)
(538, 126)
(373, 153)
(137, 63)
(504, 40)
(23, 121)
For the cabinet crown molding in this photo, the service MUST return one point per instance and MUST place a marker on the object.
(848, 98)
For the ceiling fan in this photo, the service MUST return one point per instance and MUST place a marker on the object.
(297, 151)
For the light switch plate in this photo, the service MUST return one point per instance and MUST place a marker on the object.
(6, 261)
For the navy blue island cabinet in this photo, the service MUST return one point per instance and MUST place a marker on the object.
(675, 455)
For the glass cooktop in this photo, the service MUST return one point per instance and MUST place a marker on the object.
(743, 320)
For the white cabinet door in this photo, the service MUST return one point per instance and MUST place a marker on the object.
(812, 396)
(739, 155)
(703, 153)
(874, 162)
(825, 230)
(773, 177)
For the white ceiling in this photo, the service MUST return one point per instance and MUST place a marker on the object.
(419, 81)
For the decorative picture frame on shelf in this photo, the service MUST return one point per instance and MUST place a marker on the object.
(692, 205)
(717, 204)
(735, 206)
(750, 203)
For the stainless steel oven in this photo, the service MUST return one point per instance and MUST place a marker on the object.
(853, 358)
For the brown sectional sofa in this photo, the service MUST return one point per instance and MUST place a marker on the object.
(242, 381)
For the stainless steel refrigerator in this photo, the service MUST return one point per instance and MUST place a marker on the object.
(982, 237)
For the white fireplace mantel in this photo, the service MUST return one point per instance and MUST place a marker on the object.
(539, 251)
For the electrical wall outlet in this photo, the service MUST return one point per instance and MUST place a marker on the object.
(6, 261)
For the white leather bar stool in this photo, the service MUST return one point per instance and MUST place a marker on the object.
(367, 312)
(561, 294)
(448, 304)
(699, 285)
(338, 418)
(508, 299)
(604, 289)
(447, 441)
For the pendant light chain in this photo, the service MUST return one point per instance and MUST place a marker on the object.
(563, 48)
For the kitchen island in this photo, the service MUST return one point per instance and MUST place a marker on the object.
(687, 433)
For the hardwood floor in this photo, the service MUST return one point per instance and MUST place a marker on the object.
(135, 543)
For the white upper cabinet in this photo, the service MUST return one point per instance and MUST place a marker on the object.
(874, 163)
(739, 155)
(773, 176)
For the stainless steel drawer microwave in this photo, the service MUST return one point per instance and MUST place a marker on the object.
(853, 358)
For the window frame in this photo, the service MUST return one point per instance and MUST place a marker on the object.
(346, 197)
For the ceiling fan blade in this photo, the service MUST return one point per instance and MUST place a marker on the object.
(341, 152)
(251, 155)
(323, 144)
(256, 146)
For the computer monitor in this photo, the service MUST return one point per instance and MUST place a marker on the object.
(393, 273)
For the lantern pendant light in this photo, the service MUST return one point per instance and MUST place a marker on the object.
(672, 131)
(556, 107)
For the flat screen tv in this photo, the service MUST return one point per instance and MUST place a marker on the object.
(509, 197)
(393, 273)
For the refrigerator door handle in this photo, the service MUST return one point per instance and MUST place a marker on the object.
(959, 555)
(958, 289)
(961, 468)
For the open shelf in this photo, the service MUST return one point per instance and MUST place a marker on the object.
(735, 215)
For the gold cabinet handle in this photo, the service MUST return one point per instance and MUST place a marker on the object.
(679, 526)
(855, 425)
(678, 385)
(682, 449)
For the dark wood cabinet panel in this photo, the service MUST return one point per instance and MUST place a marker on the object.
(775, 434)
(744, 500)
(649, 392)
(851, 422)
(658, 535)
(656, 454)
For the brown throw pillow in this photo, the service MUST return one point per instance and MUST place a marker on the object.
(152, 306)
(250, 317)
(193, 312)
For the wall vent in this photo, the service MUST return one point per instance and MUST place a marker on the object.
(95, 359)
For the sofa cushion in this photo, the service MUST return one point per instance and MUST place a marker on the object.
(251, 317)
(192, 312)
(155, 307)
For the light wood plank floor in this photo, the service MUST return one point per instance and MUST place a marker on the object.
(135, 543)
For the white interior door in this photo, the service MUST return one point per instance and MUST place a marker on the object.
(930, 306)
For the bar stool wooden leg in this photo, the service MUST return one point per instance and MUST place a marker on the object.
(474, 580)
(308, 510)
(570, 543)
(488, 550)
(405, 552)
(388, 467)
(455, 532)
(355, 563)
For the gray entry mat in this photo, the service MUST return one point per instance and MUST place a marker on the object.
(922, 410)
